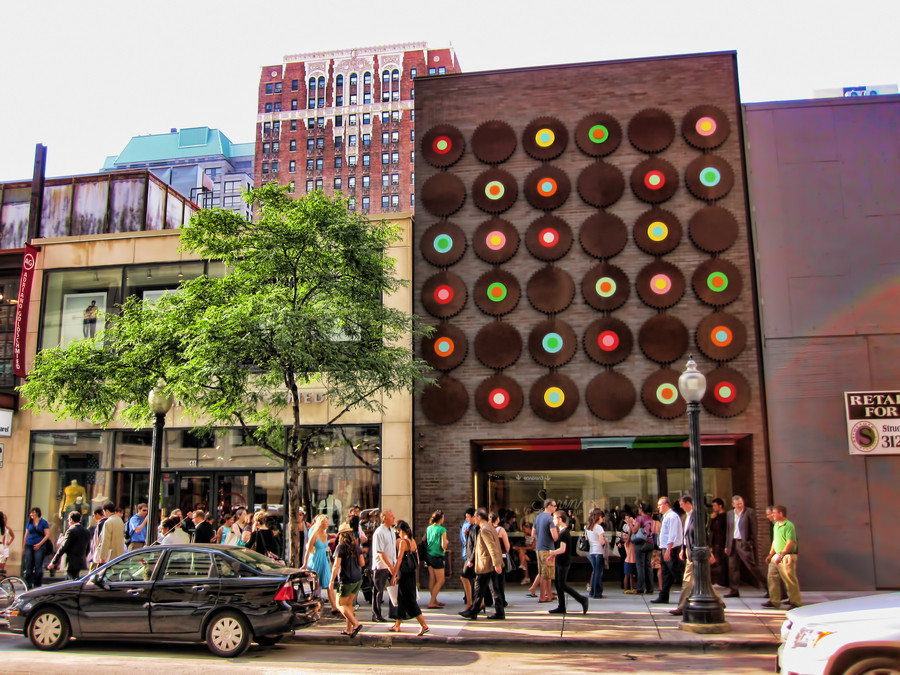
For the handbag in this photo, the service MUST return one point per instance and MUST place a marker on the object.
(393, 594)
(639, 536)
(410, 563)
(583, 543)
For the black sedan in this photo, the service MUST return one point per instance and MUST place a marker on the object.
(225, 596)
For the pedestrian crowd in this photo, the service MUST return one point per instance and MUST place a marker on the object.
(373, 553)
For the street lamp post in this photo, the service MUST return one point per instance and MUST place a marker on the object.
(704, 611)
(160, 403)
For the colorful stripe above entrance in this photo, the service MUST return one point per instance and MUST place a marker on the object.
(608, 443)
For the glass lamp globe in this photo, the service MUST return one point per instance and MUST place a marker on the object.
(692, 383)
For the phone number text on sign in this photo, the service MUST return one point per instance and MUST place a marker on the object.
(873, 422)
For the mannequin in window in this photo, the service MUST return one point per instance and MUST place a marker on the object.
(89, 325)
(78, 506)
(332, 507)
(71, 492)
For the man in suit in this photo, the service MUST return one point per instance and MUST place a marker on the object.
(740, 546)
(75, 544)
(488, 563)
(687, 582)
(112, 538)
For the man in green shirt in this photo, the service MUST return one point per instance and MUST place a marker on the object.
(782, 561)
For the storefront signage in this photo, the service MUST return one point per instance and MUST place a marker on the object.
(6, 417)
(533, 476)
(311, 397)
(873, 422)
(23, 302)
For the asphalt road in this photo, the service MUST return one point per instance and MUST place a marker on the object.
(84, 658)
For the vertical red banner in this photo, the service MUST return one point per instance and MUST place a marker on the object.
(21, 326)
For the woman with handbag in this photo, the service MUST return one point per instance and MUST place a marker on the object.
(404, 577)
(347, 570)
(596, 538)
(316, 557)
(643, 547)
(37, 536)
(6, 538)
(262, 539)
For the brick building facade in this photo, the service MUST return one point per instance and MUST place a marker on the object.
(533, 209)
(342, 121)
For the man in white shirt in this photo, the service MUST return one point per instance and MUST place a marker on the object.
(172, 534)
(384, 556)
(671, 536)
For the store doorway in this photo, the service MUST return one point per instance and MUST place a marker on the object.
(217, 492)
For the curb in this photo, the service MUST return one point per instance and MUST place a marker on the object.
(557, 643)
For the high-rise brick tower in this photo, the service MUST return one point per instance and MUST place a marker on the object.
(343, 121)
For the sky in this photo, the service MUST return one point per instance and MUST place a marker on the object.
(84, 77)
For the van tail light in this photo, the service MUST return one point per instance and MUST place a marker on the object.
(285, 593)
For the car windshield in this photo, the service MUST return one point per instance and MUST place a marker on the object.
(255, 560)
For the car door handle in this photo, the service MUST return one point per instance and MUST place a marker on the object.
(199, 589)
(134, 591)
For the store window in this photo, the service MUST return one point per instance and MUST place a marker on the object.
(74, 300)
(9, 291)
(66, 474)
(523, 492)
(219, 471)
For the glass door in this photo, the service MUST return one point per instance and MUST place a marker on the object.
(194, 492)
(232, 491)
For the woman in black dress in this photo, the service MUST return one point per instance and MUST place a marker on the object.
(404, 576)
(262, 540)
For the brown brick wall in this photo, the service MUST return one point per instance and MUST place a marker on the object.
(443, 465)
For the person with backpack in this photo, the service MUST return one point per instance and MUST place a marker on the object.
(642, 538)
(136, 530)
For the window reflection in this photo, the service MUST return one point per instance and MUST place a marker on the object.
(523, 492)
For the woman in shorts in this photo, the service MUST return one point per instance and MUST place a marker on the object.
(436, 542)
(347, 569)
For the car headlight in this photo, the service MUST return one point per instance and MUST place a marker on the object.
(809, 637)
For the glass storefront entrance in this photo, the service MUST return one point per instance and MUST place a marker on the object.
(514, 477)
(216, 472)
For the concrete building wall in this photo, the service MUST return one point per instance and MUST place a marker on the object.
(144, 248)
(823, 180)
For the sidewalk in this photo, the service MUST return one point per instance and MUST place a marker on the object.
(617, 621)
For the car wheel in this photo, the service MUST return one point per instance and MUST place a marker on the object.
(228, 635)
(268, 640)
(875, 665)
(49, 629)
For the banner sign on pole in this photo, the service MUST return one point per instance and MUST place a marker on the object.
(21, 325)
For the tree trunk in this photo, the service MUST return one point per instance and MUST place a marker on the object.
(296, 557)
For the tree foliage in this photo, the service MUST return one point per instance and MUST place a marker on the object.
(300, 303)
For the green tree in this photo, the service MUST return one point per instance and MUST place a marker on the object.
(301, 303)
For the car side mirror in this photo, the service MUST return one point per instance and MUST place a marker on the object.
(100, 581)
